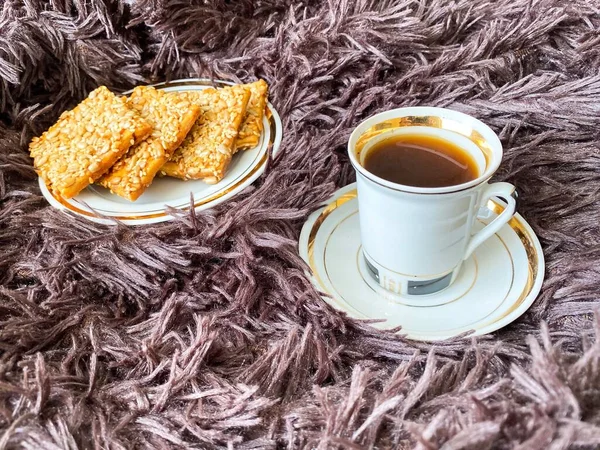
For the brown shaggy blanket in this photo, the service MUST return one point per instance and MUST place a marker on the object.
(205, 332)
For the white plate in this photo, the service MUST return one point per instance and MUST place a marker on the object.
(495, 286)
(99, 205)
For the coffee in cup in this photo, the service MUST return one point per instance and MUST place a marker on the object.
(421, 160)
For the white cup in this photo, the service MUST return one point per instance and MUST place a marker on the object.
(414, 239)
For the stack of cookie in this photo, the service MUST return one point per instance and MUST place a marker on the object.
(123, 143)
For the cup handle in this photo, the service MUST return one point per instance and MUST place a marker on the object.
(505, 191)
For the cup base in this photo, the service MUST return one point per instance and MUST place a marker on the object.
(408, 286)
(439, 292)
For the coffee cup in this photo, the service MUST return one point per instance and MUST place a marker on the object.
(415, 238)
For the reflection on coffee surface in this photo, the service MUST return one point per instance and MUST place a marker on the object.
(421, 161)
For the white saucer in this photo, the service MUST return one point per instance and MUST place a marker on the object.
(495, 286)
(246, 166)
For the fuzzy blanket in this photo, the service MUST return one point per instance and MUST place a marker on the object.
(205, 332)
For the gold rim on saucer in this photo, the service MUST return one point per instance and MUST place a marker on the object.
(517, 224)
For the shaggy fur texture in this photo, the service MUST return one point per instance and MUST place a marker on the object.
(205, 332)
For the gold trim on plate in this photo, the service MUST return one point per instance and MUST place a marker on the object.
(532, 257)
(257, 165)
(214, 197)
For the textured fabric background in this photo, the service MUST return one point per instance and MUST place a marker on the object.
(205, 332)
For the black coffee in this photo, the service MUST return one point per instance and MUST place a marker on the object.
(421, 161)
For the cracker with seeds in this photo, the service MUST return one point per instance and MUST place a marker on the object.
(172, 116)
(206, 151)
(252, 126)
(86, 141)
